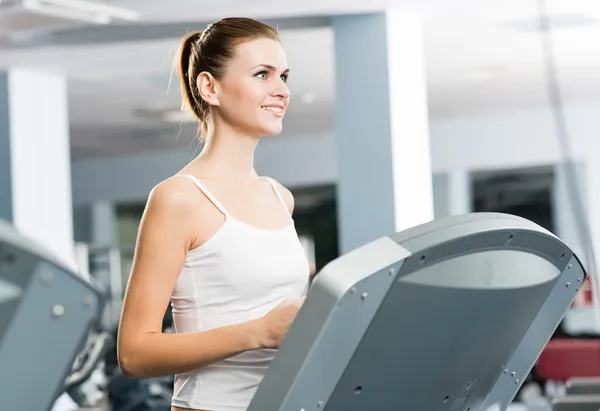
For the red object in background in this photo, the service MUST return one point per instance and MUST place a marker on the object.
(564, 358)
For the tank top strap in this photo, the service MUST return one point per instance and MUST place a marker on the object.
(279, 196)
(207, 193)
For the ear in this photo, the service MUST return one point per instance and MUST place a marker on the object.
(207, 87)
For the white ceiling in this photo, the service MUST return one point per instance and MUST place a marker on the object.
(481, 58)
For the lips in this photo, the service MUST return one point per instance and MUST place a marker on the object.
(274, 109)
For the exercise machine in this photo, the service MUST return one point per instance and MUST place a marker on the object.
(449, 315)
(50, 338)
(581, 394)
(494, 286)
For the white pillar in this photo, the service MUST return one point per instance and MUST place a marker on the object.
(35, 166)
(566, 227)
(104, 223)
(441, 202)
(104, 237)
(459, 192)
(381, 126)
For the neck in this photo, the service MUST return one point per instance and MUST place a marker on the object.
(229, 153)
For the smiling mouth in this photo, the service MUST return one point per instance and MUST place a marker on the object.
(278, 111)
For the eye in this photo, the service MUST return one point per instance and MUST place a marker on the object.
(261, 74)
(284, 77)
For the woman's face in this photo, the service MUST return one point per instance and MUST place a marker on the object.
(253, 94)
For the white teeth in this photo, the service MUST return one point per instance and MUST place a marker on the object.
(273, 109)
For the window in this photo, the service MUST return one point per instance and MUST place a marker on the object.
(525, 192)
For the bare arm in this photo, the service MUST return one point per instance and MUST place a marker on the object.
(164, 237)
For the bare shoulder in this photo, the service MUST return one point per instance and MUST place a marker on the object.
(287, 195)
(171, 212)
(175, 194)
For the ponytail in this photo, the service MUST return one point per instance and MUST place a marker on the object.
(191, 99)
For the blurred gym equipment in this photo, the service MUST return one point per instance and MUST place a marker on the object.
(496, 286)
(576, 403)
(49, 342)
(581, 394)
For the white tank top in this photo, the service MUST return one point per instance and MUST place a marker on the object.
(239, 274)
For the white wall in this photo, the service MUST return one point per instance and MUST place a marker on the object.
(516, 139)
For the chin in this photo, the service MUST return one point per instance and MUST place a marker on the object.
(275, 132)
(271, 130)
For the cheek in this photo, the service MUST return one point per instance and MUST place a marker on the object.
(241, 102)
(248, 95)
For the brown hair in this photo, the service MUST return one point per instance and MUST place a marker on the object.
(210, 50)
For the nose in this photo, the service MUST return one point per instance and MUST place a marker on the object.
(282, 90)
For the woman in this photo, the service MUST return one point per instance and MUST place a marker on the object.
(217, 240)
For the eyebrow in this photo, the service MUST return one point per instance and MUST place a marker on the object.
(271, 68)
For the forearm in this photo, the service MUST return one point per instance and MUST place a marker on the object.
(159, 354)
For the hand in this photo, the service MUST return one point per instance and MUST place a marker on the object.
(277, 322)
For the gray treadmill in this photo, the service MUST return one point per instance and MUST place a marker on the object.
(47, 313)
(449, 315)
